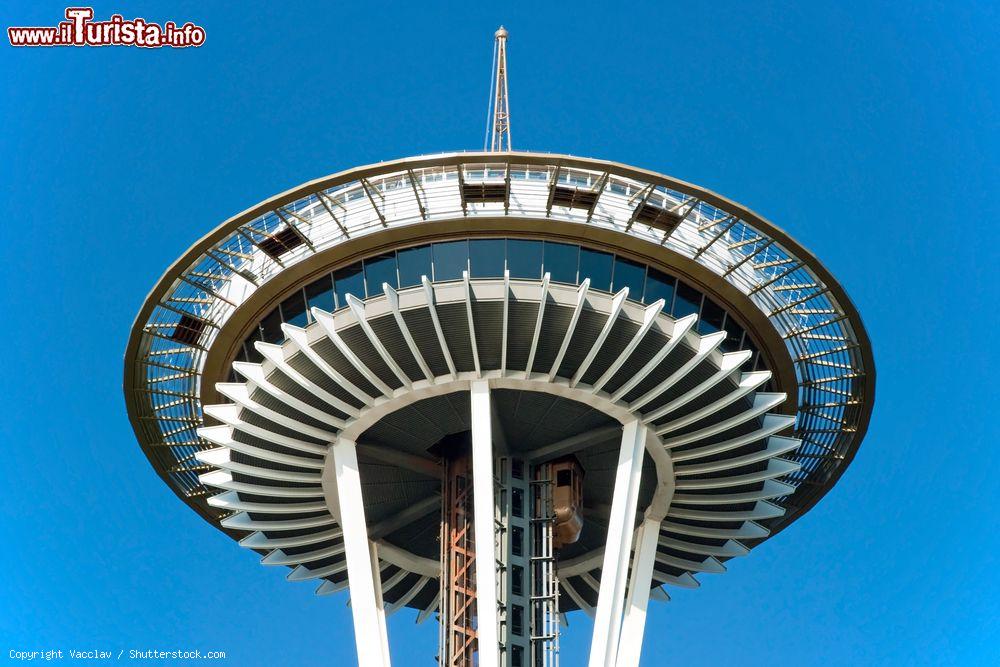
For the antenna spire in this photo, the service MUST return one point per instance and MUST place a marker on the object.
(498, 117)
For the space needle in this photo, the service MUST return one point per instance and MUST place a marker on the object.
(500, 388)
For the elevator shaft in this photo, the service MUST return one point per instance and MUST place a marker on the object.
(536, 512)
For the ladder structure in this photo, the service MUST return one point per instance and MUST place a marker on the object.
(544, 581)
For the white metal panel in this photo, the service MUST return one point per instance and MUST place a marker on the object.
(607, 621)
(485, 526)
(369, 629)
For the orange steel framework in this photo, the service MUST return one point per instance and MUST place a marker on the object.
(458, 558)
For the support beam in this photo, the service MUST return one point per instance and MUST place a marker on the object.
(326, 322)
(630, 645)
(357, 307)
(581, 298)
(610, 601)
(576, 597)
(431, 607)
(616, 307)
(393, 298)
(485, 526)
(472, 323)
(408, 596)
(503, 331)
(432, 309)
(396, 457)
(300, 342)
(405, 516)
(574, 443)
(681, 328)
(648, 317)
(538, 325)
(369, 617)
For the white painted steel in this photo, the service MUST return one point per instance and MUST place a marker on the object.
(634, 623)
(366, 608)
(614, 570)
(485, 526)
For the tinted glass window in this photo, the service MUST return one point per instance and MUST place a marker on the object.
(688, 300)
(755, 361)
(293, 309)
(631, 275)
(486, 257)
(450, 259)
(320, 294)
(349, 280)
(712, 316)
(378, 270)
(596, 266)
(271, 327)
(253, 356)
(517, 579)
(561, 261)
(517, 503)
(524, 258)
(413, 263)
(659, 286)
(517, 541)
(734, 335)
(517, 619)
(564, 478)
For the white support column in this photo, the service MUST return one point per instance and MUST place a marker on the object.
(621, 526)
(366, 608)
(376, 571)
(485, 525)
(630, 644)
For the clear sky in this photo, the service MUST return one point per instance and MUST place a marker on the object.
(869, 133)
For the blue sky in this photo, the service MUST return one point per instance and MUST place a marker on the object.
(868, 132)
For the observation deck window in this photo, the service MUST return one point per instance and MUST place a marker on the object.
(319, 294)
(562, 261)
(660, 286)
(378, 270)
(293, 309)
(597, 266)
(687, 301)
(349, 280)
(734, 335)
(486, 258)
(524, 259)
(413, 263)
(450, 259)
(631, 275)
(252, 355)
(712, 317)
(270, 327)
